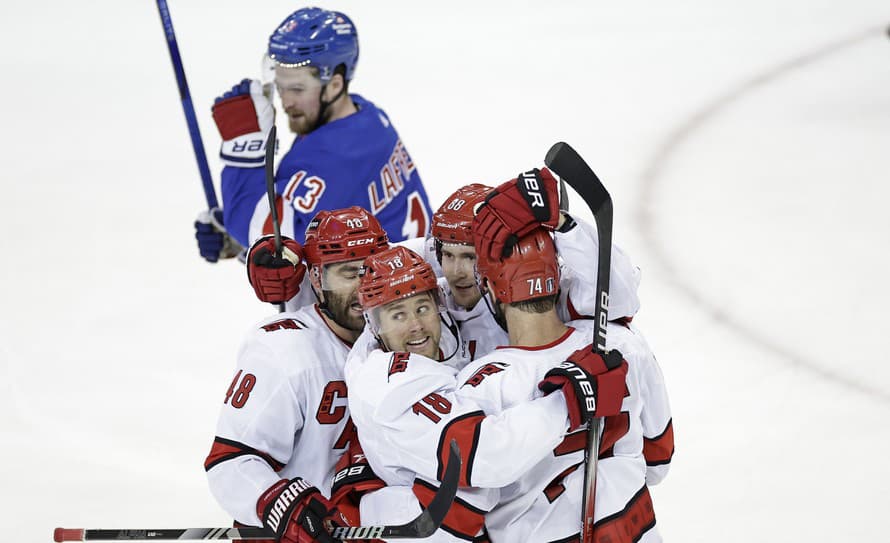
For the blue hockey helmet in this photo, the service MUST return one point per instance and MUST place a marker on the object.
(316, 37)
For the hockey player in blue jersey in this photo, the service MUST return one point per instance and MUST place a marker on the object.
(346, 152)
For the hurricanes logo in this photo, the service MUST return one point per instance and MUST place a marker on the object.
(398, 363)
(485, 371)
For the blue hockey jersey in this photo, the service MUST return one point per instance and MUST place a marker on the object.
(357, 160)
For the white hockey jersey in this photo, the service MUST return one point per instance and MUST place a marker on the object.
(544, 505)
(285, 414)
(407, 410)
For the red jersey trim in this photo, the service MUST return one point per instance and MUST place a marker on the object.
(463, 520)
(553, 343)
(227, 449)
(629, 524)
(464, 430)
(659, 450)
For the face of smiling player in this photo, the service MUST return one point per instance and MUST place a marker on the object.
(411, 325)
(459, 268)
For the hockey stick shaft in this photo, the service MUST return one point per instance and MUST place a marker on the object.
(424, 525)
(270, 187)
(270, 193)
(187, 107)
(181, 534)
(569, 165)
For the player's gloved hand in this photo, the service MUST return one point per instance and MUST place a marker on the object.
(593, 387)
(214, 242)
(275, 279)
(353, 478)
(298, 513)
(244, 116)
(514, 209)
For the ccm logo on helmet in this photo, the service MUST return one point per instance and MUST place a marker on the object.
(364, 241)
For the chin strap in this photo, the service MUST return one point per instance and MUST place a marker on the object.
(451, 325)
(495, 311)
(323, 106)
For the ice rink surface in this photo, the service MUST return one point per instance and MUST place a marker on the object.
(745, 145)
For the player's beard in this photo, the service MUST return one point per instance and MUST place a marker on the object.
(340, 309)
(308, 121)
(303, 124)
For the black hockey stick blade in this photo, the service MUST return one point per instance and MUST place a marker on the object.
(571, 168)
(425, 524)
(569, 165)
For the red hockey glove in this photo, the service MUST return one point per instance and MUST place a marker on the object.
(353, 478)
(298, 513)
(275, 279)
(244, 115)
(514, 209)
(592, 387)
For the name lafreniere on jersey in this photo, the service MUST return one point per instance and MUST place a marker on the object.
(393, 177)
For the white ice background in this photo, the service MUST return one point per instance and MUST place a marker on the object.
(746, 146)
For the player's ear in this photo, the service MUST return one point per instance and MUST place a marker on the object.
(315, 277)
(335, 86)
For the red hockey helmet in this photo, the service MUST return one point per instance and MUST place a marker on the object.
(453, 221)
(392, 275)
(342, 235)
(401, 274)
(530, 271)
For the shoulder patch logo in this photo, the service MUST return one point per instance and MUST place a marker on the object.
(398, 363)
(485, 371)
(283, 324)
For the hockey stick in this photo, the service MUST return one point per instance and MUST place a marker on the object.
(424, 525)
(270, 192)
(569, 165)
(563, 196)
(187, 107)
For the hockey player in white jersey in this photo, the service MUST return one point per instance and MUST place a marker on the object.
(406, 406)
(284, 421)
(453, 250)
(528, 202)
(544, 505)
